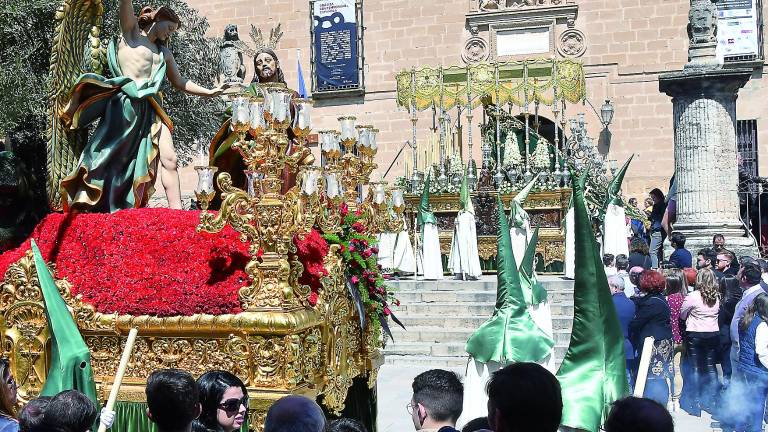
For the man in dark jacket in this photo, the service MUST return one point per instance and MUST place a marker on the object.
(681, 258)
(625, 309)
(437, 402)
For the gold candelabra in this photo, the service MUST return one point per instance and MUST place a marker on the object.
(264, 216)
(272, 131)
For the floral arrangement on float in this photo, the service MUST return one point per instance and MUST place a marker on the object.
(279, 285)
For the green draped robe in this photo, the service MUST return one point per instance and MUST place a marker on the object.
(118, 166)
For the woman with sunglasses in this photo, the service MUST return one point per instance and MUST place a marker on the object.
(224, 401)
(8, 422)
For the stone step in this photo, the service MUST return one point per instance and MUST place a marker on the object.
(463, 308)
(411, 296)
(428, 361)
(451, 349)
(559, 322)
(484, 284)
(443, 335)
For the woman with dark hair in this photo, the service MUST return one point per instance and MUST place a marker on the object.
(8, 422)
(702, 342)
(638, 254)
(652, 318)
(224, 401)
(657, 231)
(676, 288)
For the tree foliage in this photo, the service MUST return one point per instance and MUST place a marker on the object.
(26, 30)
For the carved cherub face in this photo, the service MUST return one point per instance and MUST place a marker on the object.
(231, 33)
(266, 66)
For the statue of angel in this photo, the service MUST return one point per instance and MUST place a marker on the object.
(118, 165)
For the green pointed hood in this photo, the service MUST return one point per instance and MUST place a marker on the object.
(517, 215)
(510, 335)
(612, 195)
(425, 214)
(70, 358)
(593, 372)
(464, 198)
(533, 291)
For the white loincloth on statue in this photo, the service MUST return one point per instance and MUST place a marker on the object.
(386, 244)
(430, 262)
(520, 238)
(615, 231)
(464, 258)
(403, 259)
(570, 245)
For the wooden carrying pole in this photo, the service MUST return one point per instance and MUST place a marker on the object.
(645, 363)
(120, 373)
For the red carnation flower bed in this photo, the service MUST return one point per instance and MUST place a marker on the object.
(143, 261)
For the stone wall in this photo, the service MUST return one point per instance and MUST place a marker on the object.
(628, 43)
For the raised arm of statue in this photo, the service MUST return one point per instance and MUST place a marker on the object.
(128, 22)
(184, 84)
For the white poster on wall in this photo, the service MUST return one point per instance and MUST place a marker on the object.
(737, 31)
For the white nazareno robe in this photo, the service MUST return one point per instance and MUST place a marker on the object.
(464, 258)
(430, 261)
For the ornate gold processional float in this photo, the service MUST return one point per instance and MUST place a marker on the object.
(280, 343)
(517, 143)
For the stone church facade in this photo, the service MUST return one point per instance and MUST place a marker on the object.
(623, 44)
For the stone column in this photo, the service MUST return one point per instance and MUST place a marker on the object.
(705, 155)
(704, 101)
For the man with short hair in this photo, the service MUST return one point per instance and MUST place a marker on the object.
(718, 242)
(294, 414)
(172, 400)
(438, 398)
(750, 279)
(718, 245)
(681, 258)
(69, 410)
(725, 263)
(524, 397)
(707, 259)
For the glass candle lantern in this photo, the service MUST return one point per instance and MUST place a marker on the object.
(309, 181)
(205, 179)
(362, 136)
(302, 122)
(348, 128)
(332, 189)
(280, 107)
(379, 194)
(257, 123)
(372, 133)
(397, 198)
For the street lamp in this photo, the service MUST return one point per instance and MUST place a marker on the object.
(606, 113)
